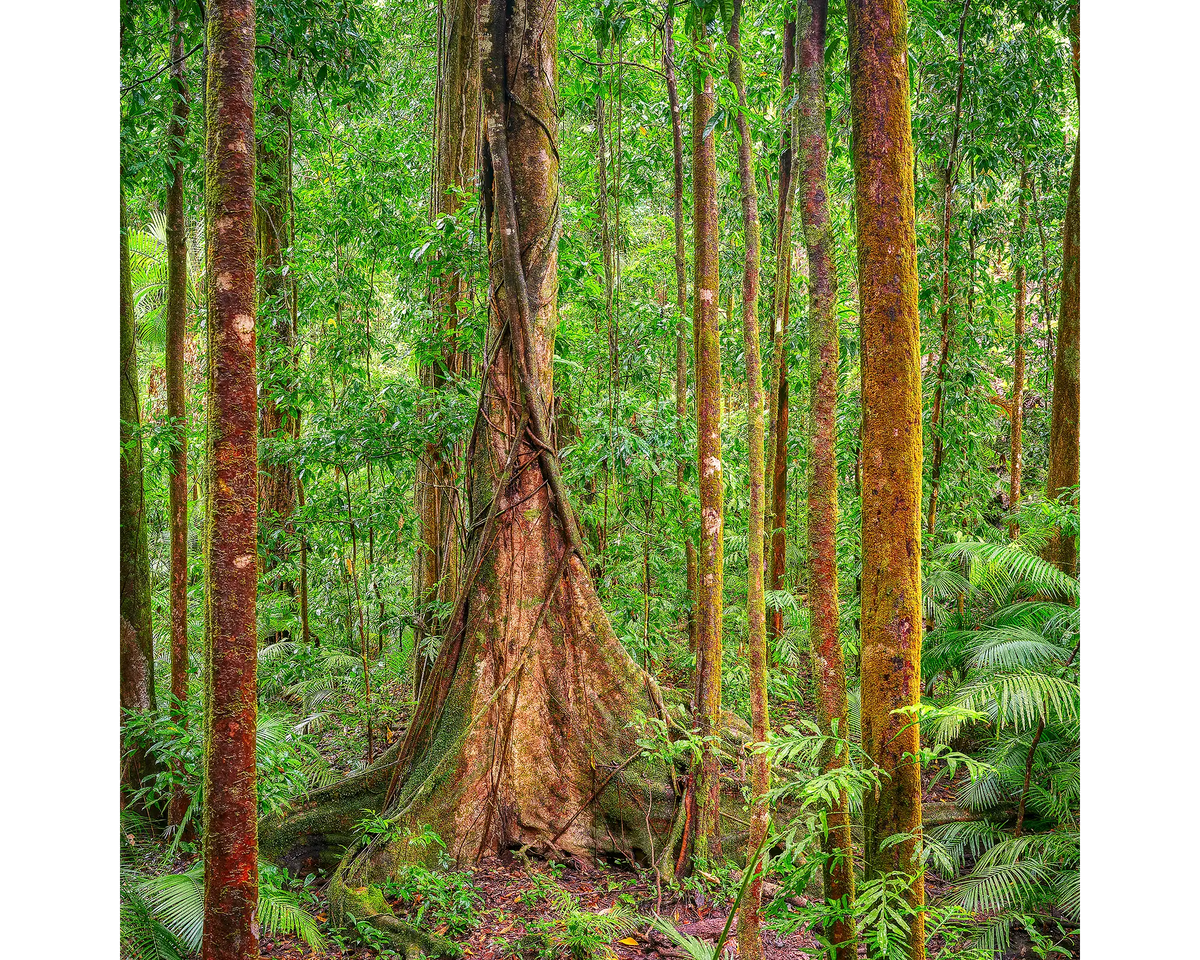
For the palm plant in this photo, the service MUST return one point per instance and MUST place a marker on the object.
(1004, 656)
(148, 269)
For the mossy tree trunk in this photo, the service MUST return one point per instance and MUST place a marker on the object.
(177, 297)
(777, 401)
(891, 439)
(829, 670)
(454, 172)
(703, 842)
(135, 637)
(230, 789)
(1064, 411)
(749, 917)
(522, 736)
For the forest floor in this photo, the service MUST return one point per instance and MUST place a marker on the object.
(513, 899)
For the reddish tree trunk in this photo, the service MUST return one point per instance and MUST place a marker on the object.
(231, 816)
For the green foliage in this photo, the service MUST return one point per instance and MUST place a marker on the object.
(570, 931)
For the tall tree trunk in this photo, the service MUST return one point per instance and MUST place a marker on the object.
(523, 731)
(749, 917)
(681, 352)
(277, 347)
(1018, 388)
(777, 414)
(705, 840)
(230, 789)
(829, 670)
(177, 295)
(891, 439)
(935, 420)
(135, 637)
(455, 164)
(1064, 411)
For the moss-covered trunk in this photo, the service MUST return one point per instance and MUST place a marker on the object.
(1064, 411)
(456, 146)
(891, 439)
(704, 840)
(230, 789)
(829, 671)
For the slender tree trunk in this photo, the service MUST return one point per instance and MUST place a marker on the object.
(777, 415)
(948, 176)
(1064, 412)
(681, 351)
(454, 171)
(891, 399)
(829, 670)
(1018, 389)
(135, 637)
(706, 840)
(750, 916)
(231, 816)
(176, 398)
(276, 345)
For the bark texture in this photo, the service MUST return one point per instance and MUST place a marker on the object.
(1064, 411)
(704, 841)
(891, 437)
(829, 669)
(230, 823)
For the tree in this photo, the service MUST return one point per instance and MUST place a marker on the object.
(231, 514)
(523, 734)
(135, 637)
(829, 670)
(749, 919)
(1018, 388)
(176, 373)
(705, 841)
(891, 441)
(1063, 474)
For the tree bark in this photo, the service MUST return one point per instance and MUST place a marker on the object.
(230, 827)
(135, 637)
(829, 669)
(891, 439)
(1064, 411)
(704, 842)
(176, 374)
(750, 915)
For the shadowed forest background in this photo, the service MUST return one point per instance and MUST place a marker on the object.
(600, 479)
